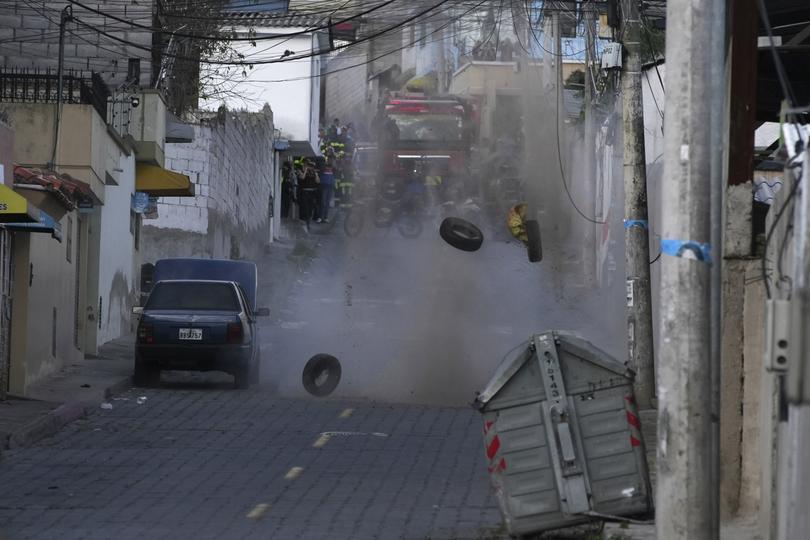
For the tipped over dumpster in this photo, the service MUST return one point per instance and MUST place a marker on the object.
(562, 437)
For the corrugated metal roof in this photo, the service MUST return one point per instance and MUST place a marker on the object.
(275, 20)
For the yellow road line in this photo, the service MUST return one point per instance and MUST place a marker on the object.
(258, 511)
(295, 472)
(322, 440)
(346, 413)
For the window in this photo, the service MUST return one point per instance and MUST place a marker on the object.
(69, 241)
(194, 296)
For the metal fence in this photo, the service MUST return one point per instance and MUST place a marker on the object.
(42, 86)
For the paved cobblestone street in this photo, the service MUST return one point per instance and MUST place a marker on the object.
(197, 460)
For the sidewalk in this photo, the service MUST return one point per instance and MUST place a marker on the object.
(66, 395)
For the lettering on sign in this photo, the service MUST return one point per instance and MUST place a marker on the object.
(3, 207)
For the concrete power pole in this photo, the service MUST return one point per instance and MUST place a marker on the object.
(795, 484)
(636, 236)
(685, 492)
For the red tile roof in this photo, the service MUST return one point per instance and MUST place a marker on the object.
(68, 190)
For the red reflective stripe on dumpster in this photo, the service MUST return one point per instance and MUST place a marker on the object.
(487, 425)
(634, 441)
(633, 420)
(493, 447)
(630, 399)
(501, 466)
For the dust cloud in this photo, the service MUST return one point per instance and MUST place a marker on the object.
(415, 320)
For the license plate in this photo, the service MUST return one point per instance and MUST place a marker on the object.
(191, 333)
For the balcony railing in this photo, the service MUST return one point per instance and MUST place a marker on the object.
(42, 86)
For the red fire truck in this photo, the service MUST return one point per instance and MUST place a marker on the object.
(425, 138)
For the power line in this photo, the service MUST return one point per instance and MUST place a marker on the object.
(230, 39)
(283, 58)
(383, 55)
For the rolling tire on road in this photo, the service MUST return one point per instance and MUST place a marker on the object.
(461, 234)
(321, 375)
(534, 246)
(145, 376)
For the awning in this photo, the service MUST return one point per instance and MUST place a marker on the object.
(15, 208)
(70, 192)
(45, 224)
(160, 182)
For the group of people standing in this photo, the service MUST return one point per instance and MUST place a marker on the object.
(311, 183)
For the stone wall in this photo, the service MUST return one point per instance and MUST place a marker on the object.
(231, 165)
(29, 37)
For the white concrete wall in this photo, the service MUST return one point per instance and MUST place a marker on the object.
(118, 272)
(233, 167)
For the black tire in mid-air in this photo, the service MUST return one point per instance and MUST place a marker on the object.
(534, 246)
(461, 234)
(321, 375)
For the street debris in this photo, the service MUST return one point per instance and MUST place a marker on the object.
(141, 400)
(107, 406)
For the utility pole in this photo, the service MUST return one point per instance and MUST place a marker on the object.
(795, 484)
(685, 493)
(589, 188)
(66, 16)
(636, 225)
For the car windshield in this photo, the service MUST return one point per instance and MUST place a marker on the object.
(428, 127)
(196, 296)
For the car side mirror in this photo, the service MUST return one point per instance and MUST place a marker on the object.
(262, 312)
(137, 310)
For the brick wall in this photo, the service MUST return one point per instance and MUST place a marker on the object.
(29, 37)
(231, 165)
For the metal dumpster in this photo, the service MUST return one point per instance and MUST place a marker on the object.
(562, 436)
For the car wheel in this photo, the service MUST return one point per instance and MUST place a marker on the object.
(145, 376)
(321, 375)
(534, 246)
(461, 234)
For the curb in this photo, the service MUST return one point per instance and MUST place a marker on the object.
(47, 425)
(50, 424)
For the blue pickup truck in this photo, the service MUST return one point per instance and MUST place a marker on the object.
(200, 315)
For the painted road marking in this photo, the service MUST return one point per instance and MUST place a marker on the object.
(258, 511)
(322, 440)
(352, 433)
(346, 413)
(293, 473)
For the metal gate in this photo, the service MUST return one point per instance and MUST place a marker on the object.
(5, 310)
